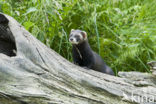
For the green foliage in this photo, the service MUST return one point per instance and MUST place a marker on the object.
(121, 31)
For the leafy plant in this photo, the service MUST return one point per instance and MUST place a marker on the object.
(121, 31)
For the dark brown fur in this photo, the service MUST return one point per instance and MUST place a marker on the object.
(85, 57)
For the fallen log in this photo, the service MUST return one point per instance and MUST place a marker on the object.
(32, 73)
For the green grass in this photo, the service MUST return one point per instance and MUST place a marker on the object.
(123, 32)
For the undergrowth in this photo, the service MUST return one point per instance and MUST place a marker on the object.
(123, 32)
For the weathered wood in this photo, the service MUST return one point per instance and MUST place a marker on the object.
(35, 74)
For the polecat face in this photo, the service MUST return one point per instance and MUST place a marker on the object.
(77, 36)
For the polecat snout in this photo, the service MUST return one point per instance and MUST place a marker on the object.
(83, 54)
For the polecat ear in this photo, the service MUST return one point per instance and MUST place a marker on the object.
(72, 30)
(84, 34)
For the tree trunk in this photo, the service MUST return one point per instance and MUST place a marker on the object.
(31, 73)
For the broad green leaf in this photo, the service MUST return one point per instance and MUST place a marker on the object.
(28, 24)
(30, 10)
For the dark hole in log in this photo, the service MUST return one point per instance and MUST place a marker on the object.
(7, 40)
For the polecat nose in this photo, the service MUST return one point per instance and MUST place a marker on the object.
(71, 39)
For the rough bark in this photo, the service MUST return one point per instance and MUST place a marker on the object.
(31, 73)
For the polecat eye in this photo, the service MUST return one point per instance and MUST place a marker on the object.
(77, 37)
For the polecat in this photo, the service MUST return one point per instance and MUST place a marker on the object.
(83, 54)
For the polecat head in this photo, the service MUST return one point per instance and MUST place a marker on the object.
(77, 36)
